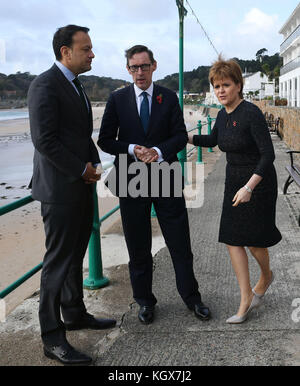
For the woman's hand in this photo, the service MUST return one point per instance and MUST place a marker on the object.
(241, 197)
(190, 138)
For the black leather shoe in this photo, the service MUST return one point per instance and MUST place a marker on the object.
(146, 314)
(201, 311)
(90, 322)
(67, 355)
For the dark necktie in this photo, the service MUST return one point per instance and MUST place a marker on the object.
(144, 113)
(79, 88)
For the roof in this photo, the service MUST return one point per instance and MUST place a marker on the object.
(296, 10)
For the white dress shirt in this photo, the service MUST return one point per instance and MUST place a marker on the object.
(139, 98)
(70, 76)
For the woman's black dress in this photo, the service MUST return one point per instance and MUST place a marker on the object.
(244, 136)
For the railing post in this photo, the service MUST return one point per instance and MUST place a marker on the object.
(209, 120)
(199, 160)
(153, 213)
(96, 279)
(182, 13)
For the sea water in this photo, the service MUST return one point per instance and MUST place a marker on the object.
(7, 115)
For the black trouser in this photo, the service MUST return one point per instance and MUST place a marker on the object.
(173, 220)
(68, 228)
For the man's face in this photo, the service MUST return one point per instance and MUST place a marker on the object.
(142, 76)
(78, 58)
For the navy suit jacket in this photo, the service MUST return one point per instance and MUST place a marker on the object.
(61, 130)
(122, 126)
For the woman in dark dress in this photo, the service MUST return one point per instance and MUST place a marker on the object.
(248, 214)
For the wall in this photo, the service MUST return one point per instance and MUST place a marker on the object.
(290, 129)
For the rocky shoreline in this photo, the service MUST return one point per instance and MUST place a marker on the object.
(13, 104)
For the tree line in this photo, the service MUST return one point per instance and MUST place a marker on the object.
(196, 81)
(15, 86)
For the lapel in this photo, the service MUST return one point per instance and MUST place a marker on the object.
(63, 81)
(90, 112)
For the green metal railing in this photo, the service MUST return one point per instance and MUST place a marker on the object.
(209, 121)
(20, 281)
(199, 148)
(213, 106)
(96, 279)
(182, 12)
(199, 128)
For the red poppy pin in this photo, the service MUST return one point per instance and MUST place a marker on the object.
(234, 123)
(159, 99)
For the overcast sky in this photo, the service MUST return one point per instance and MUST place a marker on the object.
(237, 28)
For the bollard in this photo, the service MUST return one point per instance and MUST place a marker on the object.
(209, 120)
(96, 279)
(199, 160)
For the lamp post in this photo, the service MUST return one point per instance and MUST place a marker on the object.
(182, 13)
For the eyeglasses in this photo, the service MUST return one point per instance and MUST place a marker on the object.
(144, 67)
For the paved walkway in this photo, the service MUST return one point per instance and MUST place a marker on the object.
(269, 337)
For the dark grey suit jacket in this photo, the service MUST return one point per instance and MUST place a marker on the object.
(61, 130)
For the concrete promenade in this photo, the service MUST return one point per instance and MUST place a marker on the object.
(270, 337)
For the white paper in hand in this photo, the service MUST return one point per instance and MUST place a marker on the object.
(99, 169)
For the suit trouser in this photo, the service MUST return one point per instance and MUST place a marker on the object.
(173, 219)
(68, 228)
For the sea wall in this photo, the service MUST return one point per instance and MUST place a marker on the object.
(289, 127)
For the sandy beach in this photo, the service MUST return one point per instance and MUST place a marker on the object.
(21, 231)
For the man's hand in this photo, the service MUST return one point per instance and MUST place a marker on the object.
(145, 154)
(90, 176)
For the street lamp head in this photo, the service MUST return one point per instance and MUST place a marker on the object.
(182, 11)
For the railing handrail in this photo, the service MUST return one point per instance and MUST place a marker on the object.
(25, 201)
(15, 205)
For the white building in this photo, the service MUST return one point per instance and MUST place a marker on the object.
(289, 81)
(210, 97)
(258, 85)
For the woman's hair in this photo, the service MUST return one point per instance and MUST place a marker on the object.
(222, 69)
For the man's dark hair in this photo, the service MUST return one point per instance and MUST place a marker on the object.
(137, 50)
(64, 37)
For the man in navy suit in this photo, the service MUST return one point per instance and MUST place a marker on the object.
(64, 170)
(144, 123)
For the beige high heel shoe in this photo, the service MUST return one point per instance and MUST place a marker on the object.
(240, 319)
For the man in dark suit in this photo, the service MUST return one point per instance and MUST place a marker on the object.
(145, 122)
(64, 171)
